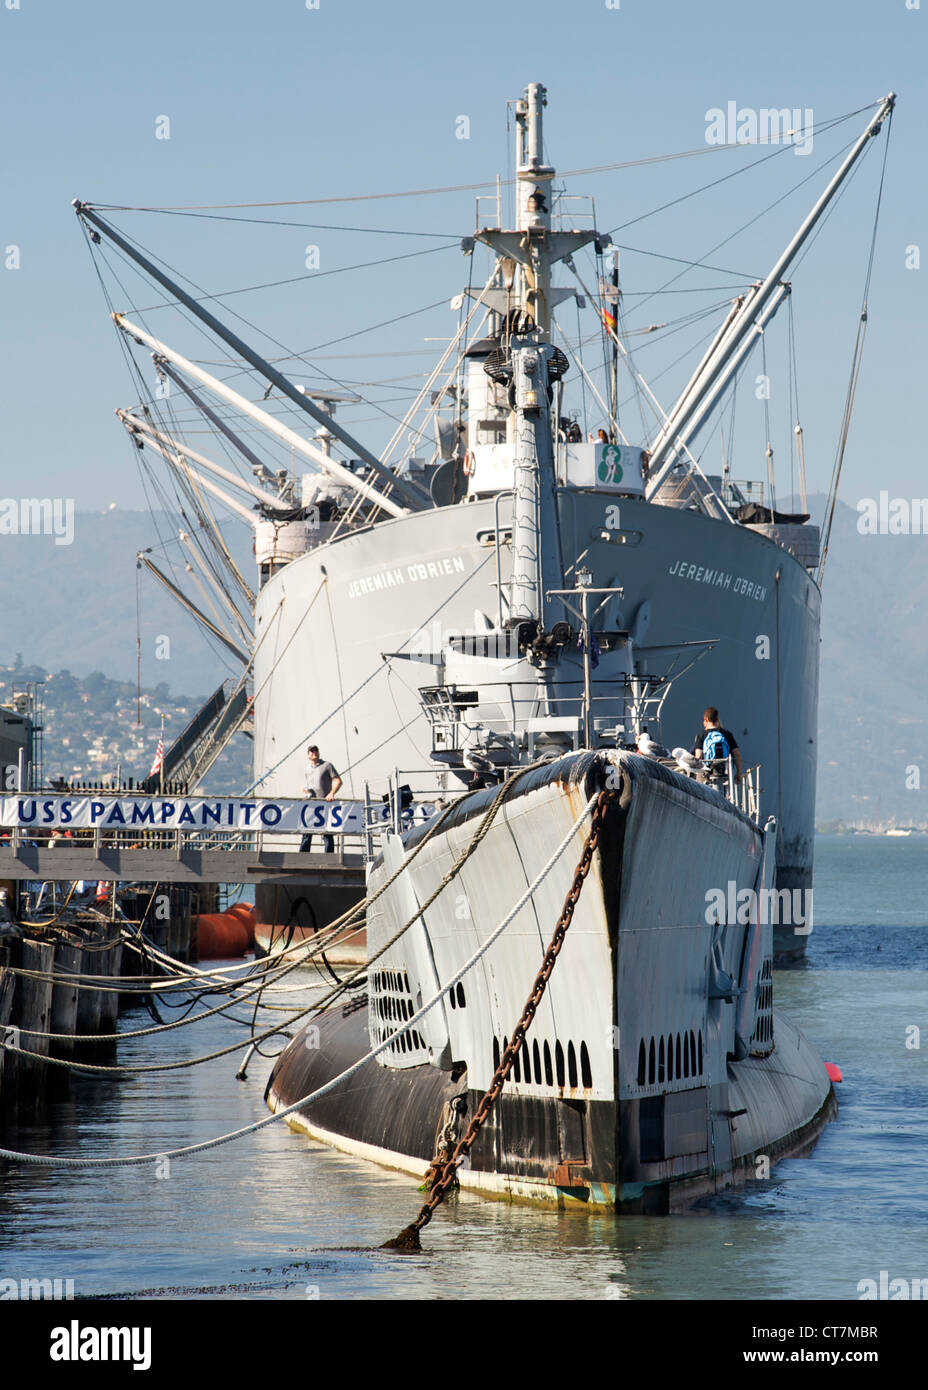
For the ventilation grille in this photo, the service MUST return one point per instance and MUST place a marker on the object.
(762, 1041)
(556, 1069)
(392, 1004)
(673, 1057)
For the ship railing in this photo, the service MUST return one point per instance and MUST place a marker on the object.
(743, 793)
(737, 491)
(564, 218)
(171, 837)
(172, 840)
(452, 712)
(415, 796)
(411, 801)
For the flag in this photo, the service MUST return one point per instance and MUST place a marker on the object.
(594, 649)
(158, 764)
(608, 295)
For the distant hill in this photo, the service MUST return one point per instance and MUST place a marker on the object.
(873, 711)
(74, 607)
(95, 729)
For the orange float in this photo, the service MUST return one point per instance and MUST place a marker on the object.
(221, 935)
(245, 912)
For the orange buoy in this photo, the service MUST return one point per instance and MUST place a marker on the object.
(834, 1072)
(220, 935)
(245, 912)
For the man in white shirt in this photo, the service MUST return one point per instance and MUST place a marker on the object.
(322, 783)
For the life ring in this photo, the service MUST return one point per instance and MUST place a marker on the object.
(470, 463)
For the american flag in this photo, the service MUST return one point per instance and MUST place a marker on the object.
(159, 758)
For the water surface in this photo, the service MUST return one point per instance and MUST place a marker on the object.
(277, 1216)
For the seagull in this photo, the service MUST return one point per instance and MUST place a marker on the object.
(686, 760)
(649, 748)
(475, 763)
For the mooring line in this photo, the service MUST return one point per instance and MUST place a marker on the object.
(53, 1161)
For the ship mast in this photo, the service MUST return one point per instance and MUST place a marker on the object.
(532, 248)
(528, 365)
(533, 205)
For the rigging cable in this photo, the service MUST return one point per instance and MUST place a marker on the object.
(134, 372)
(756, 218)
(275, 222)
(466, 187)
(769, 446)
(704, 188)
(792, 407)
(203, 296)
(856, 359)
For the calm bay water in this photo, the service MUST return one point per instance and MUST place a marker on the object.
(277, 1217)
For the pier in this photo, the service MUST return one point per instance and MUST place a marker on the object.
(180, 863)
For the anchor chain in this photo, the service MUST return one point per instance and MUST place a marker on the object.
(442, 1176)
(446, 1137)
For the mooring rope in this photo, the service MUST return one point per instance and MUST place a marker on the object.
(318, 1006)
(53, 1161)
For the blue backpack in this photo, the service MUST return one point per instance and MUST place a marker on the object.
(715, 745)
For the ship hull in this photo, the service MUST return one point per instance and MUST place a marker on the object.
(347, 612)
(289, 918)
(392, 1122)
(641, 1086)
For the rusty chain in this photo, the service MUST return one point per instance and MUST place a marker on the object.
(442, 1175)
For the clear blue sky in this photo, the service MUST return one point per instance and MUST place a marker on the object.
(275, 101)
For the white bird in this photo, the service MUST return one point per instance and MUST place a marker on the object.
(474, 762)
(649, 748)
(687, 761)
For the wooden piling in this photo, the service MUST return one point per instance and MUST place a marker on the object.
(109, 1001)
(7, 992)
(65, 995)
(33, 1007)
(90, 1001)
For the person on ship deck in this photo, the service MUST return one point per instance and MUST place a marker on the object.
(715, 744)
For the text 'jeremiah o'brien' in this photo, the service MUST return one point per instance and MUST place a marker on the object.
(406, 574)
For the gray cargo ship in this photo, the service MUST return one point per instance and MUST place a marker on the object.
(541, 615)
